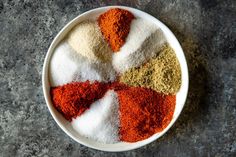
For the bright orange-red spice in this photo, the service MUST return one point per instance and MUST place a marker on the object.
(72, 99)
(115, 25)
(143, 112)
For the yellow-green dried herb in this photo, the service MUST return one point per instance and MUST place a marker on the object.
(161, 73)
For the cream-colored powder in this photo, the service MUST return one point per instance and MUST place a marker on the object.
(87, 40)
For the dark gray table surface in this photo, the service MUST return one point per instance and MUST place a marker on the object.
(207, 31)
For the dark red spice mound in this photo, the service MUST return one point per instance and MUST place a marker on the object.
(115, 25)
(143, 112)
(72, 99)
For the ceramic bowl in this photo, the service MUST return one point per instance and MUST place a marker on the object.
(122, 146)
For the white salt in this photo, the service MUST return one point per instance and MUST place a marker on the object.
(101, 121)
(87, 40)
(66, 66)
(141, 44)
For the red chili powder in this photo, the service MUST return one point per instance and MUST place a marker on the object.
(115, 25)
(143, 112)
(72, 99)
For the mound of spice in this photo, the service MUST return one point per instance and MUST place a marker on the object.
(71, 100)
(87, 40)
(115, 26)
(143, 112)
(161, 74)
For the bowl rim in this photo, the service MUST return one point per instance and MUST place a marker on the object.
(46, 88)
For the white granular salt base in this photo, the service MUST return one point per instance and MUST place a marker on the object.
(141, 44)
(101, 121)
(66, 66)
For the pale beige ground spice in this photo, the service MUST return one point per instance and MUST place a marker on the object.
(87, 40)
(161, 73)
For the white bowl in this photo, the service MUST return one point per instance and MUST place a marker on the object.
(122, 146)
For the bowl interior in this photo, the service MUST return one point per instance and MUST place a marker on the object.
(122, 146)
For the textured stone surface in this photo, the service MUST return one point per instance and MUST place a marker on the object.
(205, 28)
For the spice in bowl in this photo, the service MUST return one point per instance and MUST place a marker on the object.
(115, 79)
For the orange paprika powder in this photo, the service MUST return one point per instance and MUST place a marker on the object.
(143, 112)
(115, 25)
